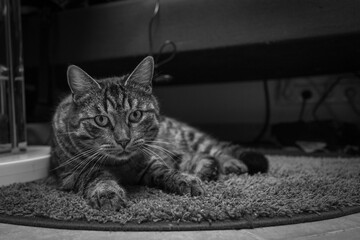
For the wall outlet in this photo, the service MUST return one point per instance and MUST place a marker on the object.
(290, 91)
(348, 86)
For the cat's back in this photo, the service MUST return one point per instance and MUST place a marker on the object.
(180, 134)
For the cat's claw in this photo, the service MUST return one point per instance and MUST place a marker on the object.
(108, 197)
(190, 185)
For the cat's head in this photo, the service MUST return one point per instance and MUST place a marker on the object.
(117, 116)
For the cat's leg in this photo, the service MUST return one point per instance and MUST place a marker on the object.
(105, 193)
(99, 188)
(201, 165)
(209, 148)
(158, 174)
(235, 159)
(231, 158)
(228, 164)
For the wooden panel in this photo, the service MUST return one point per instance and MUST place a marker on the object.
(120, 29)
(313, 56)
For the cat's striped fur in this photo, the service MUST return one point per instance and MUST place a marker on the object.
(109, 133)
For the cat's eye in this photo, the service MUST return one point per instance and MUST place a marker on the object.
(135, 116)
(102, 120)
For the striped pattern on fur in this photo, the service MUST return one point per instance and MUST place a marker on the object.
(109, 133)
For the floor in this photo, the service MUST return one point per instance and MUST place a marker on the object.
(344, 228)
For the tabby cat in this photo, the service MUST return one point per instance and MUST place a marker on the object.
(109, 134)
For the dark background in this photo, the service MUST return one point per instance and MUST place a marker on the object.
(230, 57)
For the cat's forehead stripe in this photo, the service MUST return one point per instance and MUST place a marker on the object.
(111, 106)
(126, 104)
(123, 100)
(118, 100)
(110, 102)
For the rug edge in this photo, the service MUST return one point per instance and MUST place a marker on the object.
(166, 226)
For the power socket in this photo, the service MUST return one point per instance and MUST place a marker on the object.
(347, 85)
(290, 91)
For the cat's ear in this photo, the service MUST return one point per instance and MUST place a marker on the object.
(143, 74)
(80, 82)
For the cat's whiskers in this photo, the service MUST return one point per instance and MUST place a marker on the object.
(86, 159)
(158, 141)
(113, 149)
(83, 165)
(147, 153)
(138, 142)
(163, 150)
(99, 159)
(80, 164)
(113, 153)
(170, 140)
(152, 153)
(105, 146)
(75, 158)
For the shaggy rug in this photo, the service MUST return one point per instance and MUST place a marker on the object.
(296, 189)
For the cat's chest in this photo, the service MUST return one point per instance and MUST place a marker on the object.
(131, 172)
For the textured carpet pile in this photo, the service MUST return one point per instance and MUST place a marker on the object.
(293, 186)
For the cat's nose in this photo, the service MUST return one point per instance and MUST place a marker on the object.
(123, 142)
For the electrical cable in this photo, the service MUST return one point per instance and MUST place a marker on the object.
(350, 94)
(155, 13)
(323, 98)
(319, 90)
(265, 127)
(302, 110)
(351, 98)
(305, 95)
(167, 43)
(171, 57)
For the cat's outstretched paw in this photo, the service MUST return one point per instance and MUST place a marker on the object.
(235, 166)
(107, 195)
(189, 184)
(207, 169)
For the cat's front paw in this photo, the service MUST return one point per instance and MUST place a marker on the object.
(107, 195)
(189, 184)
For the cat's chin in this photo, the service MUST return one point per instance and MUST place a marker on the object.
(119, 158)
